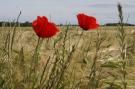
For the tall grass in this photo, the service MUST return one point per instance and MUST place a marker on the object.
(123, 47)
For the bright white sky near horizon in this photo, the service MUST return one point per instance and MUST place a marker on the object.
(62, 11)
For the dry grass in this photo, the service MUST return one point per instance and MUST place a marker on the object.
(77, 72)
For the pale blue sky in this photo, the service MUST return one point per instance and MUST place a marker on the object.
(62, 11)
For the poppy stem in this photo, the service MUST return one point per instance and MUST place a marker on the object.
(79, 39)
(34, 60)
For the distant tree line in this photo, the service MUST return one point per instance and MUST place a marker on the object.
(116, 24)
(8, 24)
(28, 24)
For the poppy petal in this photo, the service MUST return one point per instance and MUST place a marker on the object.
(87, 22)
(43, 28)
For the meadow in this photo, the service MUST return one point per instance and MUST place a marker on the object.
(73, 59)
(87, 56)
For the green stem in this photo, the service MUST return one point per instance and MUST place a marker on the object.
(34, 60)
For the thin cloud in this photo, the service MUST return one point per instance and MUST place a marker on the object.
(111, 5)
(102, 5)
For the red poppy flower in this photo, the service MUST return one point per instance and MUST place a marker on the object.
(87, 22)
(43, 28)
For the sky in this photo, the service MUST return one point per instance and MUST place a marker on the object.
(63, 11)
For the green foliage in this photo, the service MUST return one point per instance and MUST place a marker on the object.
(110, 64)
